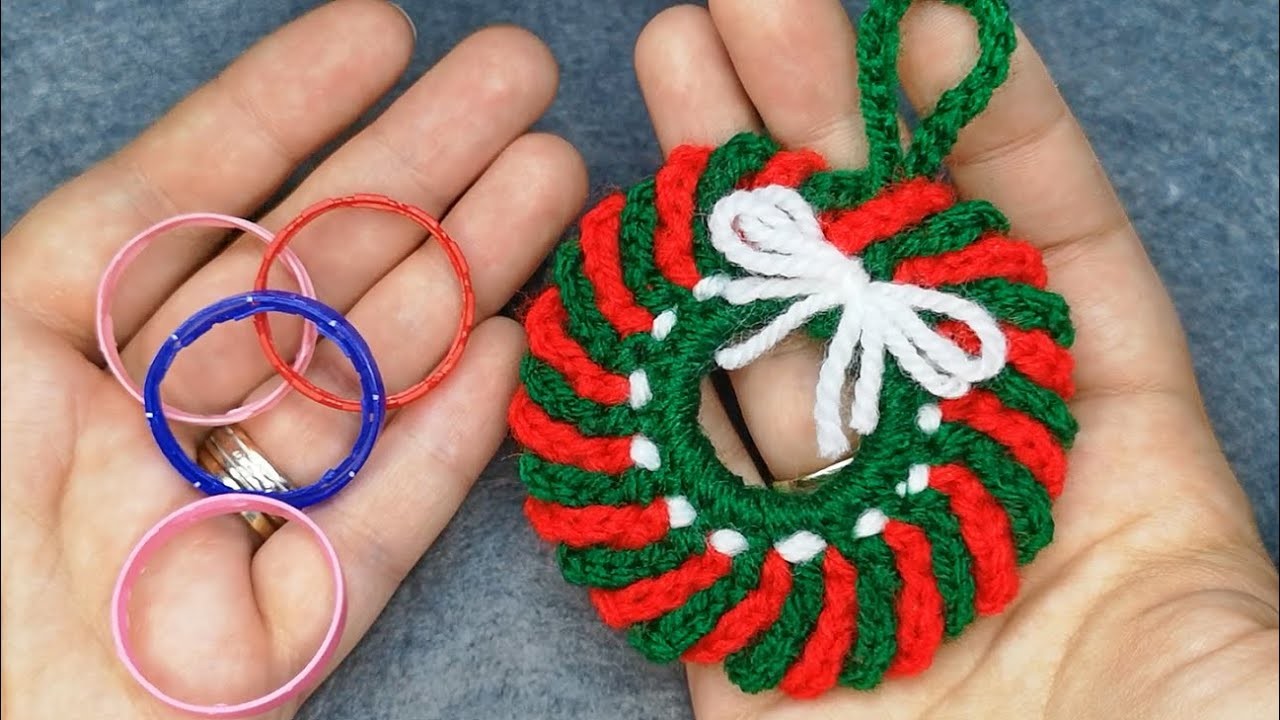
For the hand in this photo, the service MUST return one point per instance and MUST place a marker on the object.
(1156, 599)
(82, 477)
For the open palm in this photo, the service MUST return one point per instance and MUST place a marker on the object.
(82, 476)
(1156, 599)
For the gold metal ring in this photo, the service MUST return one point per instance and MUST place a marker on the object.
(231, 455)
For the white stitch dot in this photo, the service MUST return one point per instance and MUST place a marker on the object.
(680, 512)
(663, 324)
(870, 522)
(729, 542)
(351, 473)
(929, 418)
(710, 286)
(917, 478)
(150, 415)
(174, 337)
(376, 397)
(641, 393)
(333, 323)
(800, 547)
(644, 453)
(248, 299)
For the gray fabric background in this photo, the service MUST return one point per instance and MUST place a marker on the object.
(1179, 97)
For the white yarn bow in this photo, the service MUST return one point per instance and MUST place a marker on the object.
(773, 234)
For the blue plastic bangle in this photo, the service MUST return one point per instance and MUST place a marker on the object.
(333, 326)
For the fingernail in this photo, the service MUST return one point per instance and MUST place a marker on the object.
(412, 28)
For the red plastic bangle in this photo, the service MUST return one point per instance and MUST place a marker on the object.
(460, 270)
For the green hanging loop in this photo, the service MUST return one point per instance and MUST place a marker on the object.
(878, 45)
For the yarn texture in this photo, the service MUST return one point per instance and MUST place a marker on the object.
(944, 352)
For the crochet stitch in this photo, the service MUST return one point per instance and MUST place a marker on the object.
(936, 319)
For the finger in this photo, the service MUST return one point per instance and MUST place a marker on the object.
(426, 149)
(694, 97)
(223, 149)
(426, 461)
(797, 60)
(1028, 156)
(688, 82)
(511, 218)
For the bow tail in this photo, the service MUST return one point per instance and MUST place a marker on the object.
(832, 375)
(744, 353)
(864, 415)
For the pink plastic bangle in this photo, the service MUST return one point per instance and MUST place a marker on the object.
(130, 252)
(175, 523)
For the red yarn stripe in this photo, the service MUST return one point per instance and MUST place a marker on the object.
(654, 597)
(990, 257)
(624, 528)
(886, 214)
(1031, 352)
(560, 442)
(757, 611)
(602, 264)
(675, 189)
(550, 343)
(1034, 354)
(919, 604)
(818, 667)
(1029, 441)
(986, 533)
(788, 168)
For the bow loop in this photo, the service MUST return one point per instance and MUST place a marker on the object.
(773, 234)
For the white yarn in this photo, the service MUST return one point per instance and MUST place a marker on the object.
(870, 522)
(800, 547)
(680, 512)
(773, 234)
(644, 453)
(929, 418)
(729, 542)
(917, 481)
(663, 324)
(641, 393)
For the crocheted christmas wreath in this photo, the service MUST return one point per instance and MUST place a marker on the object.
(939, 324)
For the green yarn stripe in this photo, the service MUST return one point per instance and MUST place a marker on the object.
(833, 189)
(878, 584)
(952, 564)
(761, 665)
(1023, 306)
(639, 222)
(668, 637)
(1024, 500)
(574, 487)
(728, 164)
(955, 228)
(548, 388)
(585, 323)
(607, 568)
(1017, 392)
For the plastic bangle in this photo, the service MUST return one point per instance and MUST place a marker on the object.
(175, 523)
(106, 328)
(456, 259)
(332, 325)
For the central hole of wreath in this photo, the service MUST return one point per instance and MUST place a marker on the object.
(760, 420)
